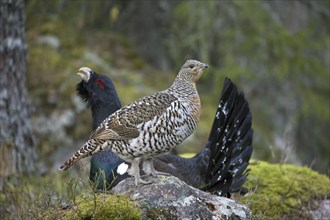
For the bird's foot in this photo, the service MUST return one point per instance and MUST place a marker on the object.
(148, 168)
(141, 181)
(156, 173)
(134, 170)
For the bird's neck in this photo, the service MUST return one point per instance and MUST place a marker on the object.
(101, 110)
(184, 87)
(186, 90)
(99, 113)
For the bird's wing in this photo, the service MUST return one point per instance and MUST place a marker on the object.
(122, 125)
(118, 132)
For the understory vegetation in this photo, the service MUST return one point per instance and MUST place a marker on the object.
(277, 54)
(276, 191)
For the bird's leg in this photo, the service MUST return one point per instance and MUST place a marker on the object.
(149, 169)
(135, 171)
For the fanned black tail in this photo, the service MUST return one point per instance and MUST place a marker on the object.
(230, 143)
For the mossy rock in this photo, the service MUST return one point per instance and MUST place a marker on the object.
(99, 207)
(279, 190)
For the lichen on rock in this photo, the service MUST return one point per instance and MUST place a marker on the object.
(170, 198)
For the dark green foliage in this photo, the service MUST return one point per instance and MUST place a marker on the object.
(281, 62)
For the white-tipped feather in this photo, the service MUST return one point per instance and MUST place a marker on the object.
(122, 168)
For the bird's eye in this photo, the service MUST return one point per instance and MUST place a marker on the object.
(192, 66)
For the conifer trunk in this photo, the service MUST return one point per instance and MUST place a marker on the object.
(17, 153)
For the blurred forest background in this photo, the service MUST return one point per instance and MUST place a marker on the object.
(277, 52)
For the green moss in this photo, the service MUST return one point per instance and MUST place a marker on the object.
(282, 189)
(58, 196)
(103, 206)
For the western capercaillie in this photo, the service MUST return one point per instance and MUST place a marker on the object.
(150, 126)
(200, 171)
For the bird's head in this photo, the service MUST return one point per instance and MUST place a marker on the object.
(100, 94)
(192, 70)
(95, 86)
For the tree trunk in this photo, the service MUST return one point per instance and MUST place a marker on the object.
(17, 153)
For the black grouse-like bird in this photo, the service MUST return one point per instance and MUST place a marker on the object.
(219, 168)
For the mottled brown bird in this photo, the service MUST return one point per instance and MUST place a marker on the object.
(149, 126)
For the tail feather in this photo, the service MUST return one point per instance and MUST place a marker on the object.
(227, 100)
(240, 162)
(230, 143)
(239, 180)
(241, 154)
(88, 149)
(220, 139)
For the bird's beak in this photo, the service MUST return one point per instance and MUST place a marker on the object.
(85, 73)
(202, 67)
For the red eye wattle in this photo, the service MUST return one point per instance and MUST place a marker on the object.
(100, 83)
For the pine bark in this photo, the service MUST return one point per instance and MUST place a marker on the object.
(17, 153)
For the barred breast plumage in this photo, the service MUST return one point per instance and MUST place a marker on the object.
(149, 126)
